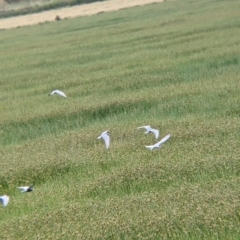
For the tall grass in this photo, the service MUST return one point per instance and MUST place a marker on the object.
(170, 65)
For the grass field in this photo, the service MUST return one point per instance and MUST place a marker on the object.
(174, 66)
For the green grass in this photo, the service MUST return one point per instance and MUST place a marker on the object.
(175, 66)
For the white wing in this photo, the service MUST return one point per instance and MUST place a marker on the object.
(163, 140)
(99, 137)
(61, 93)
(24, 189)
(156, 132)
(4, 199)
(150, 147)
(53, 92)
(106, 139)
(158, 144)
(105, 132)
(149, 129)
(146, 127)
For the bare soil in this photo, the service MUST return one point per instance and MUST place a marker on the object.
(72, 12)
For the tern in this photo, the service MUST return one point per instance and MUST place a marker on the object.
(4, 200)
(106, 138)
(60, 93)
(159, 144)
(151, 130)
(26, 188)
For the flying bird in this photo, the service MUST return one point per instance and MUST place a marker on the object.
(150, 130)
(4, 200)
(159, 144)
(60, 93)
(26, 188)
(106, 138)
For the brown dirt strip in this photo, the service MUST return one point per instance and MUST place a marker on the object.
(72, 12)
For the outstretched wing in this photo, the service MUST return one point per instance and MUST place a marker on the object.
(61, 93)
(163, 140)
(103, 133)
(146, 127)
(4, 200)
(156, 132)
(51, 93)
(149, 147)
(24, 189)
(106, 140)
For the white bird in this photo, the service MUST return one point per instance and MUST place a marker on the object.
(151, 130)
(60, 93)
(26, 188)
(4, 200)
(106, 138)
(159, 144)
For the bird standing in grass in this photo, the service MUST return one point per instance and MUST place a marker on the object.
(60, 93)
(151, 130)
(4, 200)
(159, 144)
(26, 188)
(106, 138)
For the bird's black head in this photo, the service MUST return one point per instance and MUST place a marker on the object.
(30, 189)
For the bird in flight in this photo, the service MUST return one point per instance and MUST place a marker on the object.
(151, 130)
(159, 144)
(106, 138)
(60, 93)
(26, 188)
(4, 200)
